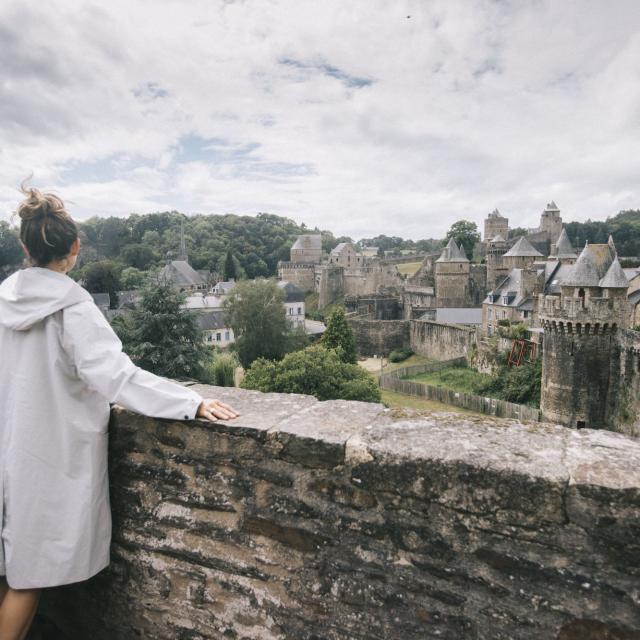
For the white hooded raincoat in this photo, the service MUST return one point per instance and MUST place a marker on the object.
(61, 365)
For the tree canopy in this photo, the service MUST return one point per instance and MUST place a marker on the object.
(255, 312)
(466, 233)
(161, 337)
(339, 335)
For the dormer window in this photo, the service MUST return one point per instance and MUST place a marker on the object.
(505, 299)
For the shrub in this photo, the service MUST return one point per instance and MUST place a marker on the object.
(398, 355)
(313, 371)
(220, 370)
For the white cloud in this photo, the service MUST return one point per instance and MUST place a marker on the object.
(349, 116)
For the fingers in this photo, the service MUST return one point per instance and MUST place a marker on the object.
(216, 410)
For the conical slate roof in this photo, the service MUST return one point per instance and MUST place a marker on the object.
(497, 238)
(522, 249)
(452, 253)
(615, 278)
(563, 246)
(592, 266)
(552, 206)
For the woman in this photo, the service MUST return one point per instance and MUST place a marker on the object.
(61, 365)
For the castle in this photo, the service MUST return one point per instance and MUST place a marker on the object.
(578, 306)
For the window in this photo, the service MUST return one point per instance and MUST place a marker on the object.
(489, 312)
(218, 337)
(290, 311)
(505, 299)
(226, 336)
(299, 311)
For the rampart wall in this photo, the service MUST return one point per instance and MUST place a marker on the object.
(308, 520)
(441, 341)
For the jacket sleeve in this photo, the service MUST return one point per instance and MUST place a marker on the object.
(96, 352)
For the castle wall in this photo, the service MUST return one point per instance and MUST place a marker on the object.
(302, 275)
(379, 337)
(336, 521)
(329, 284)
(441, 341)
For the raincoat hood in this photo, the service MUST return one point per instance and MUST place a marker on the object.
(30, 295)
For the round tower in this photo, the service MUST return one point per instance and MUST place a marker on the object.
(581, 352)
(452, 271)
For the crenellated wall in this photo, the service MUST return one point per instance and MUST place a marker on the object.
(340, 521)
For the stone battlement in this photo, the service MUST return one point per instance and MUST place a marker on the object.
(340, 520)
(610, 311)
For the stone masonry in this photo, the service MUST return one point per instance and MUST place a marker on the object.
(309, 520)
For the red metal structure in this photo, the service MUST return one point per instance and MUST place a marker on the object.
(521, 350)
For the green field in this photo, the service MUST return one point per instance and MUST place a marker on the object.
(395, 400)
(408, 268)
(454, 378)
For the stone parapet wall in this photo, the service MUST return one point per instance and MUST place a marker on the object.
(614, 311)
(336, 521)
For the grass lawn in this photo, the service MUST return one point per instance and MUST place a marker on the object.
(408, 268)
(455, 378)
(395, 400)
(372, 365)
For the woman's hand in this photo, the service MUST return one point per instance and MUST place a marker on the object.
(214, 409)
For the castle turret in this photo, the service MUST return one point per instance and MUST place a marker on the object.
(550, 221)
(495, 225)
(581, 364)
(521, 256)
(452, 277)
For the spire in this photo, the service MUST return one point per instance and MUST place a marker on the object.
(183, 244)
(612, 245)
(563, 246)
(615, 277)
(452, 253)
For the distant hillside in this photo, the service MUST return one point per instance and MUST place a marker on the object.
(624, 227)
(143, 241)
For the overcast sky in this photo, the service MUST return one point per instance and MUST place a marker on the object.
(363, 117)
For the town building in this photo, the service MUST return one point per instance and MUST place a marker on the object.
(294, 305)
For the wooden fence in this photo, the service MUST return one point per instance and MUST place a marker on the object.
(395, 381)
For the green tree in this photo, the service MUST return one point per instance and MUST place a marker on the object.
(139, 256)
(103, 277)
(230, 267)
(313, 371)
(255, 312)
(339, 335)
(464, 232)
(161, 337)
(10, 249)
(132, 278)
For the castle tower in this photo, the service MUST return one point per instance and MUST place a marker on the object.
(521, 256)
(581, 354)
(452, 277)
(496, 271)
(495, 225)
(550, 221)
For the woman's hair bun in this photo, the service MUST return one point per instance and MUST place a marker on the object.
(39, 205)
(46, 229)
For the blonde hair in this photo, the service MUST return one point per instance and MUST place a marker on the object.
(46, 229)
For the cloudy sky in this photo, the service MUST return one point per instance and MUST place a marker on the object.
(363, 116)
